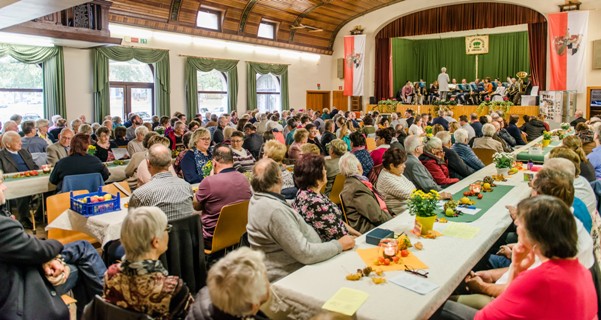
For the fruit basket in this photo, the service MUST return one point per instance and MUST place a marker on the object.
(95, 203)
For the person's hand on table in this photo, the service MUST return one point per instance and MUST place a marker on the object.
(513, 211)
(347, 242)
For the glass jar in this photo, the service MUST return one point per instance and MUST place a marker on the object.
(389, 248)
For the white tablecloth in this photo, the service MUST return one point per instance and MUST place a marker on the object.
(104, 227)
(302, 293)
(18, 188)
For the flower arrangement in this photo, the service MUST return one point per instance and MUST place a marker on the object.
(547, 135)
(207, 168)
(503, 106)
(565, 126)
(423, 204)
(91, 150)
(503, 160)
(429, 131)
(160, 130)
(387, 105)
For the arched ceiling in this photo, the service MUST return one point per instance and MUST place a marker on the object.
(241, 18)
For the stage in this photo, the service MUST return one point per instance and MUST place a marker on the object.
(460, 110)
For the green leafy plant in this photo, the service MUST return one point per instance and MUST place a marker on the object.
(503, 160)
(494, 106)
(547, 135)
(423, 204)
(91, 150)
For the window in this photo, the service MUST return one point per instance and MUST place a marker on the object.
(267, 30)
(131, 88)
(209, 19)
(268, 93)
(21, 89)
(212, 92)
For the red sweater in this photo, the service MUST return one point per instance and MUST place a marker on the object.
(557, 289)
(438, 169)
(377, 155)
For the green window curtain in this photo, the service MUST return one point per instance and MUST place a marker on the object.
(53, 70)
(160, 61)
(205, 65)
(252, 69)
(415, 59)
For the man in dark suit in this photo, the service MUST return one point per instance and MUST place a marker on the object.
(15, 159)
(35, 273)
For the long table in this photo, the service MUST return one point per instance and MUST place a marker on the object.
(17, 188)
(303, 292)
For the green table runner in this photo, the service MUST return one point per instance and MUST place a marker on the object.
(540, 158)
(488, 200)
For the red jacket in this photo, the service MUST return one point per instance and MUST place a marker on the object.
(438, 169)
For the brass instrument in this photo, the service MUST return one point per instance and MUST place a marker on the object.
(521, 76)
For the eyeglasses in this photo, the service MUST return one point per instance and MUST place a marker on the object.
(421, 273)
(236, 141)
(169, 228)
(205, 139)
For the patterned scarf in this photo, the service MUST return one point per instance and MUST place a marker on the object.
(201, 160)
(138, 268)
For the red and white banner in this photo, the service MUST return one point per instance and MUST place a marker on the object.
(567, 37)
(354, 56)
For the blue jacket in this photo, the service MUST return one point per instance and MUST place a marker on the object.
(469, 157)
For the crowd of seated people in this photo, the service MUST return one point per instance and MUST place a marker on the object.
(285, 165)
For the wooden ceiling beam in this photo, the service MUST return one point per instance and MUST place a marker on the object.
(245, 13)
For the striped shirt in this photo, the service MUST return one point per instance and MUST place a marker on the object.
(395, 190)
(171, 194)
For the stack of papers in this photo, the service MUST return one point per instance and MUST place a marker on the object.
(346, 301)
(414, 283)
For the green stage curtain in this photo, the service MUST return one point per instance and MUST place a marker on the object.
(53, 70)
(160, 61)
(508, 53)
(422, 59)
(252, 69)
(205, 65)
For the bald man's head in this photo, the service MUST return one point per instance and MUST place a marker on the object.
(266, 176)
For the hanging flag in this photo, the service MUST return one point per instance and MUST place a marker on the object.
(567, 37)
(354, 56)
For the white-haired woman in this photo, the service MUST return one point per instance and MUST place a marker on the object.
(464, 151)
(433, 159)
(141, 283)
(364, 209)
(487, 141)
(237, 286)
(137, 145)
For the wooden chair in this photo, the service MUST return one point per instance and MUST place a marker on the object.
(484, 154)
(230, 227)
(122, 188)
(55, 205)
(343, 208)
(370, 144)
(337, 188)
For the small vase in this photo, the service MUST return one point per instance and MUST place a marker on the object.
(502, 171)
(426, 222)
(546, 143)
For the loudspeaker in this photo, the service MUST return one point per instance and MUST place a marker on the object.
(340, 68)
(372, 100)
(597, 54)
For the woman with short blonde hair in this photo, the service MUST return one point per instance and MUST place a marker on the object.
(276, 151)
